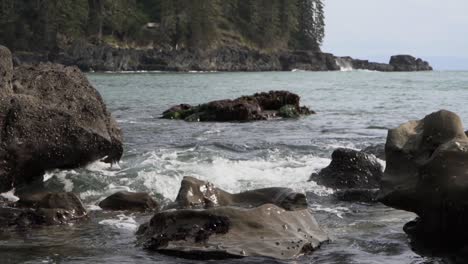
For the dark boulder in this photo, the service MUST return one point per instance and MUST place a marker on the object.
(377, 150)
(427, 173)
(129, 201)
(350, 169)
(353, 174)
(272, 222)
(409, 63)
(51, 118)
(260, 106)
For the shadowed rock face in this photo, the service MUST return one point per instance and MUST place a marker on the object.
(260, 106)
(427, 173)
(43, 209)
(233, 225)
(51, 118)
(129, 201)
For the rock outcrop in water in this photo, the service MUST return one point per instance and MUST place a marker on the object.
(355, 175)
(260, 106)
(51, 118)
(42, 209)
(427, 173)
(407, 63)
(398, 63)
(271, 222)
(129, 201)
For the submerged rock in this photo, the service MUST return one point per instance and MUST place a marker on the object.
(130, 202)
(51, 118)
(260, 106)
(272, 222)
(427, 173)
(356, 175)
(197, 194)
(43, 209)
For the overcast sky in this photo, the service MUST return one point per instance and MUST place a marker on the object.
(375, 29)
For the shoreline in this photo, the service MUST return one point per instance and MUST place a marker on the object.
(105, 58)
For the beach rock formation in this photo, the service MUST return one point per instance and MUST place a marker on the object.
(260, 106)
(409, 63)
(43, 209)
(51, 118)
(355, 174)
(129, 201)
(230, 226)
(427, 173)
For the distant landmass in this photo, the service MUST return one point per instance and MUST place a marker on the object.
(177, 35)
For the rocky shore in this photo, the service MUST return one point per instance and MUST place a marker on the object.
(52, 118)
(89, 57)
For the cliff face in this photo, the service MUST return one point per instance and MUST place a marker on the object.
(90, 57)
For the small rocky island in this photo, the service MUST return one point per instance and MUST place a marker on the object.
(260, 106)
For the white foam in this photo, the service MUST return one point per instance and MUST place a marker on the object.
(166, 172)
(338, 211)
(344, 64)
(104, 168)
(123, 223)
(63, 176)
(10, 196)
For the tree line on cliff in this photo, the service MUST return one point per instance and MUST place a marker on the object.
(35, 25)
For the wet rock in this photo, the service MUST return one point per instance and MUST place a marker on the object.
(354, 174)
(350, 169)
(52, 118)
(129, 201)
(227, 225)
(409, 63)
(377, 150)
(197, 194)
(260, 106)
(427, 174)
(43, 209)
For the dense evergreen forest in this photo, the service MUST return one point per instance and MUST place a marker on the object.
(37, 25)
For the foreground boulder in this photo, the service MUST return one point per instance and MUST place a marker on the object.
(427, 173)
(260, 106)
(51, 118)
(129, 201)
(354, 174)
(409, 63)
(256, 223)
(43, 209)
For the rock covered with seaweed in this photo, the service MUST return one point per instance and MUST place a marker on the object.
(260, 106)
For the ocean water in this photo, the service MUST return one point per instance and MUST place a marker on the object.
(354, 108)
